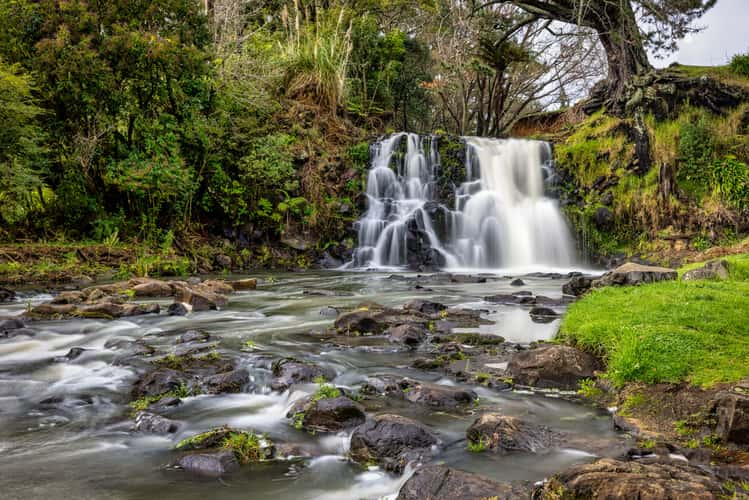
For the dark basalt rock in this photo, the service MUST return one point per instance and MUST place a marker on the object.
(74, 353)
(328, 414)
(439, 482)
(154, 424)
(577, 286)
(160, 381)
(361, 321)
(228, 382)
(517, 282)
(290, 371)
(178, 309)
(410, 335)
(440, 396)
(552, 366)
(506, 434)
(215, 464)
(6, 295)
(425, 306)
(543, 315)
(390, 440)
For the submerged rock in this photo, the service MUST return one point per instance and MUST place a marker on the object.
(634, 480)
(410, 335)
(290, 371)
(155, 424)
(327, 414)
(497, 432)
(227, 382)
(361, 321)
(439, 482)
(634, 274)
(214, 465)
(552, 367)
(543, 315)
(391, 440)
(716, 269)
(425, 306)
(440, 396)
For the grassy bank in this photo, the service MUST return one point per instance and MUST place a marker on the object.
(668, 332)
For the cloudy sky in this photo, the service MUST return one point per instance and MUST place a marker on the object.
(726, 34)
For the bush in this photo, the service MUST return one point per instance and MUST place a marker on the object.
(740, 65)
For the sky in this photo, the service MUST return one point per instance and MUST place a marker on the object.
(726, 34)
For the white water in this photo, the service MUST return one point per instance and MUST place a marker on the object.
(501, 218)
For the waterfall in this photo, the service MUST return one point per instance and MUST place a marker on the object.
(499, 215)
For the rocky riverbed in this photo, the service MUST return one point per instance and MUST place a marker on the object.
(331, 385)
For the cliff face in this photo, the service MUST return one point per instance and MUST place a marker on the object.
(663, 179)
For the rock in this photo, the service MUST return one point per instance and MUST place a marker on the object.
(327, 261)
(159, 381)
(604, 219)
(517, 298)
(391, 440)
(517, 282)
(51, 310)
(296, 243)
(543, 315)
(440, 396)
(109, 310)
(425, 306)
(178, 309)
(223, 261)
(732, 410)
(384, 384)
(716, 269)
(68, 297)
(410, 335)
(154, 424)
(245, 284)
(6, 295)
(439, 482)
(10, 327)
(74, 352)
(502, 433)
(200, 300)
(290, 371)
(228, 382)
(634, 274)
(327, 414)
(552, 366)
(328, 311)
(193, 336)
(360, 321)
(153, 288)
(219, 287)
(634, 480)
(577, 286)
(209, 464)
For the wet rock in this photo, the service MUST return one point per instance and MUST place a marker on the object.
(290, 371)
(577, 286)
(178, 309)
(716, 269)
(160, 381)
(498, 432)
(154, 424)
(361, 321)
(68, 297)
(329, 311)
(634, 274)
(14, 327)
(213, 465)
(385, 384)
(153, 288)
(439, 482)
(518, 298)
(327, 414)
(543, 315)
(51, 310)
(425, 306)
(732, 410)
(109, 310)
(193, 336)
(517, 282)
(634, 480)
(552, 366)
(74, 353)
(228, 382)
(440, 396)
(245, 284)
(327, 261)
(219, 287)
(391, 440)
(6, 295)
(410, 335)
(200, 300)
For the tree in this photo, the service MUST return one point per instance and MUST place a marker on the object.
(626, 28)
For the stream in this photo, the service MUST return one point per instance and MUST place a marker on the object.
(66, 431)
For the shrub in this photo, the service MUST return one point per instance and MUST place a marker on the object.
(740, 65)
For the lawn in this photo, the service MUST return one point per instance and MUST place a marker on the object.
(668, 332)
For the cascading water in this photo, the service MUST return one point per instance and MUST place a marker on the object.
(500, 218)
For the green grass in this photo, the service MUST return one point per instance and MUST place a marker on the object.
(668, 332)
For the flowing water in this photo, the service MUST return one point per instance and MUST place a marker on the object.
(65, 430)
(501, 218)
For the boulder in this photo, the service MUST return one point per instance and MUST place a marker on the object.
(109, 310)
(227, 382)
(440, 396)
(178, 309)
(732, 411)
(160, 381)
(193, 336)
(200, 300)
(11, 327)
(424, 306)
(74, 353)
(543, 315)
(410, 335)
(552, 367)
(51, 310)
(361, 321)
(153, 288)
(634, 274)
(391, 440)
(634, 480)
(517, 282)
(219, 287)
(6, 295)
(716, 269)
(498, 432)
(154, 424)
(68, 297)
(577, 286)
(290, 371)
(245, 284)
(517, 298)
(214, 464)
(439, 482)
(327, 414)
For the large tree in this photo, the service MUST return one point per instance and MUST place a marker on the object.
(626, 28)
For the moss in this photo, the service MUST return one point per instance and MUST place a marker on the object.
(473, 339)
(248, 447)
(142, 404)
(478, 446)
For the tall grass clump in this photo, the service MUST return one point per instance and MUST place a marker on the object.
(316, 57)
